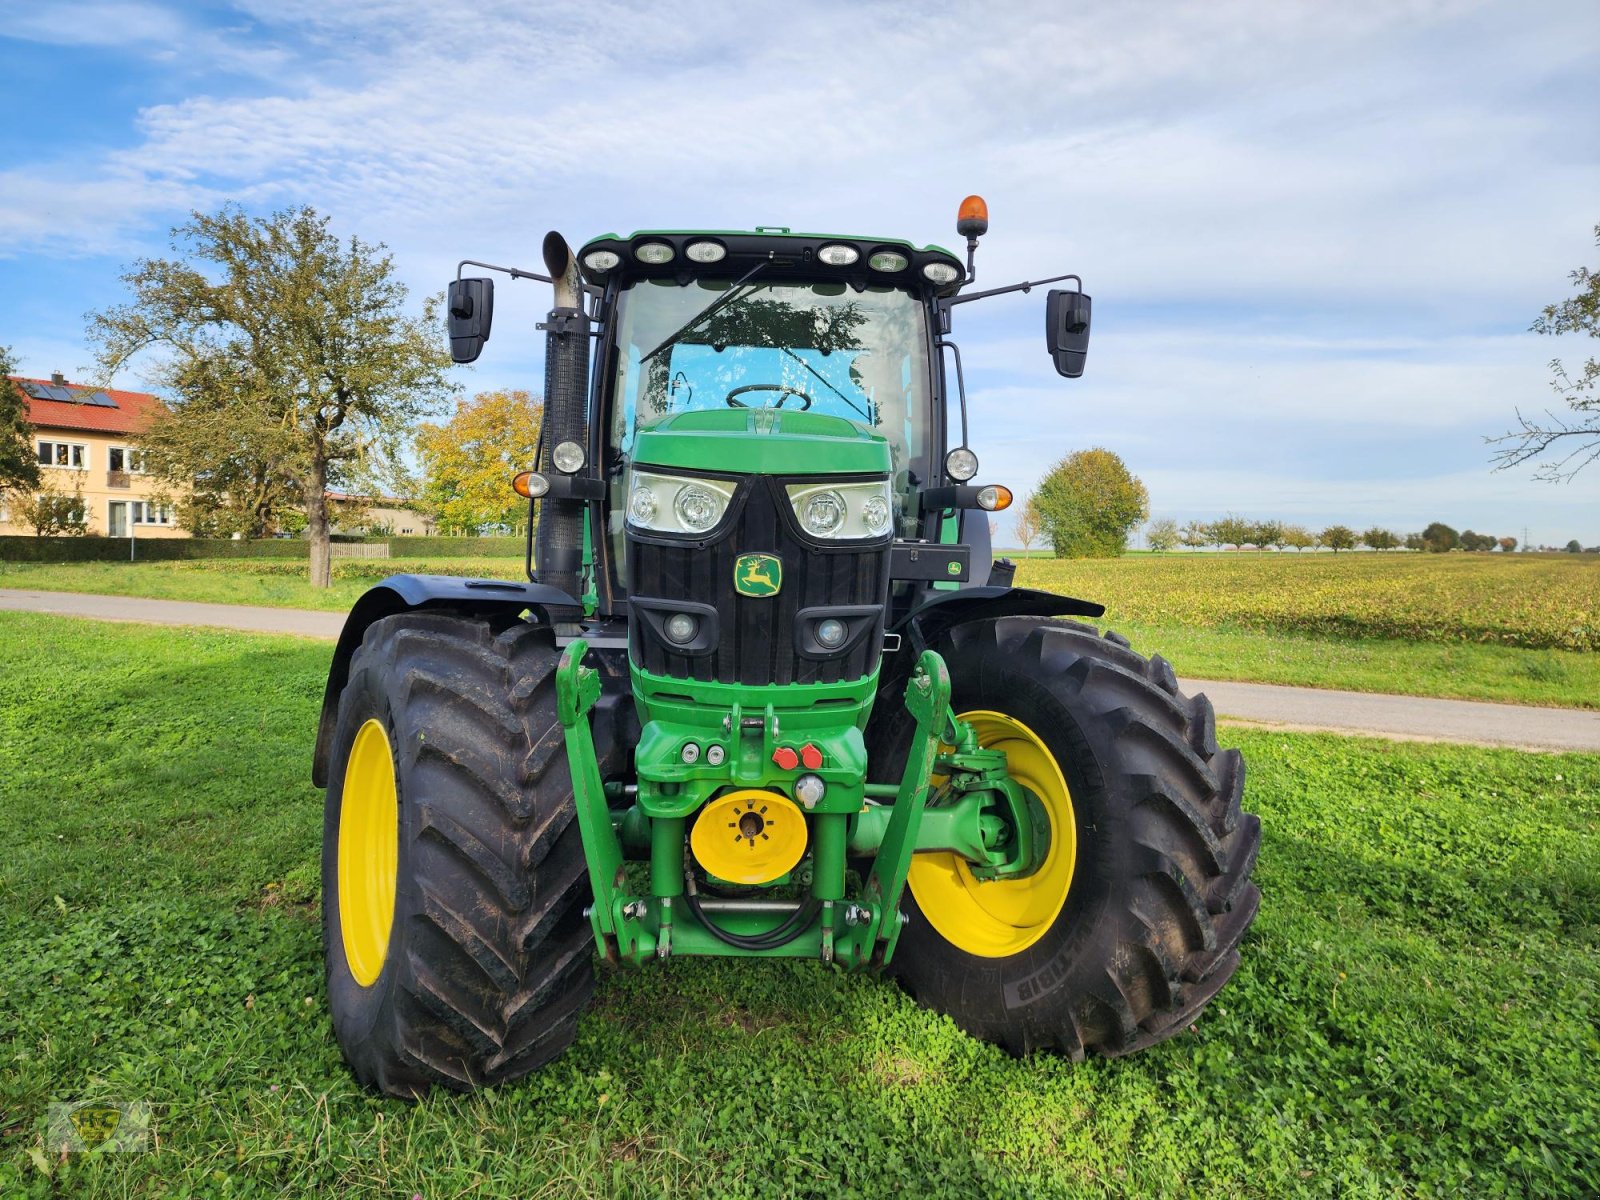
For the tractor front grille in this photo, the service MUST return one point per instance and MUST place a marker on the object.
(755, 638)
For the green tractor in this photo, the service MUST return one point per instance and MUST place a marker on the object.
(768, 693)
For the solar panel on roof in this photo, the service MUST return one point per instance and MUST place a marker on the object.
(57, 392)
(98, 399)
(36, 390)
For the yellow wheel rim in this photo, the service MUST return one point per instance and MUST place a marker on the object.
(369, 852)
(1002, 917)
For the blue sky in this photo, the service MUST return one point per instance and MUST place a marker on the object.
(1316, 233)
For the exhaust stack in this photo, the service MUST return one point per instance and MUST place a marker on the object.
(559, 553)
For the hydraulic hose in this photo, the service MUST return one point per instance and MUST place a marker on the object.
(796, 924)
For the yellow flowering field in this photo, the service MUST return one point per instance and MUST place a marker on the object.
(1536, 601)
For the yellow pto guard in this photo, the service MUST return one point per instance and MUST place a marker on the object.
(749, 836)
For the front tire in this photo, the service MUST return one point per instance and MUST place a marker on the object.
(1132, 924)
(453, 873)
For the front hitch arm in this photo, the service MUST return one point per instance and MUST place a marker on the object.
(928, 702)
(577, 689)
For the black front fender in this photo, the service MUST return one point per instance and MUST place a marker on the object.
(404, 593)
(926, 624)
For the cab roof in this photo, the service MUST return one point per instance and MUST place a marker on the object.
(789, 255)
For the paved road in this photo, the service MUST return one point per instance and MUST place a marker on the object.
(1400, 717)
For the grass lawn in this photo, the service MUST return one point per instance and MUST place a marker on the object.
(1416, 1013)
(1200, 645)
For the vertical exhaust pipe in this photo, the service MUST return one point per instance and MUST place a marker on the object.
(566, 401)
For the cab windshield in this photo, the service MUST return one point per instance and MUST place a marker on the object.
(817, 347)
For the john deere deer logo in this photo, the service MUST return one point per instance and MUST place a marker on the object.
(757, 575)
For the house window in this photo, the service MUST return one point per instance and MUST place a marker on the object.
(72, 455)
(146, 513)
(126, 459)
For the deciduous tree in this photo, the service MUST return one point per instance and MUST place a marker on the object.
(1337, 538)
(19, 463)
(1089, 502)
(1162, 535)
(1477, 542)
(1027, 526)
(1379, 538)
(1508, 544)
(283, 346)
(1573, 437)
(1574, 547)
(1232, 530)
(468, 462)
(53, 513)
(1299, 537)
(1268, 533)
(1196, 535)
(1439, 537)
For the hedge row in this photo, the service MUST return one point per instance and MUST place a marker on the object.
(104, 549)
(456, 547)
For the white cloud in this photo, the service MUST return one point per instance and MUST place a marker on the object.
(1315, 232)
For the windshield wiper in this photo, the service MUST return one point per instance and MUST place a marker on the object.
(825, 383)
(721, 301)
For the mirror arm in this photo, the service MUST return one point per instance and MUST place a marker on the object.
(514, 272)
(595, 293)
(1026, 286)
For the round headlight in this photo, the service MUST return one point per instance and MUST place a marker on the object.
(838, 255)
(940, 273)
(642, 505)
(831, 633)
(875, 514)
(567, 456)
(888, 260)
(681, 628)
(823, 513)
(601, 260)
(705, 252)
(696, 508)
(654, 253)
(961, 464)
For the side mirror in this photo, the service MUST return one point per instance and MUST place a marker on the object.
(471, 307)
(1066, 327)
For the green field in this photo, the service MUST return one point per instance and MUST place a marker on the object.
(1481, 627)
(1416, 1013)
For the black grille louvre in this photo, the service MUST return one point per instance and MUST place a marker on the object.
(756, 646)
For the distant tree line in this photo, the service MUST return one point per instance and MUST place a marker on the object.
(1234, 532)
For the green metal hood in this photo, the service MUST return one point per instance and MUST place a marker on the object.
(762, 441)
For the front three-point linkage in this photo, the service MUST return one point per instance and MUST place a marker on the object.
(860, 930)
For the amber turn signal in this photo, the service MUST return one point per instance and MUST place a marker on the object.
(994, 498)
(530, 484)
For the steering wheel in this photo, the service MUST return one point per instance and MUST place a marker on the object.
(768, 387)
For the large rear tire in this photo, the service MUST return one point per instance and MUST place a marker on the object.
(453, 873)
(1133, 922)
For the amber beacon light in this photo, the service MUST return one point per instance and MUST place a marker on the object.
(972, 218)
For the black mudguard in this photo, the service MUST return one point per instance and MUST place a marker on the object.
(402, 593)
(941, 612)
